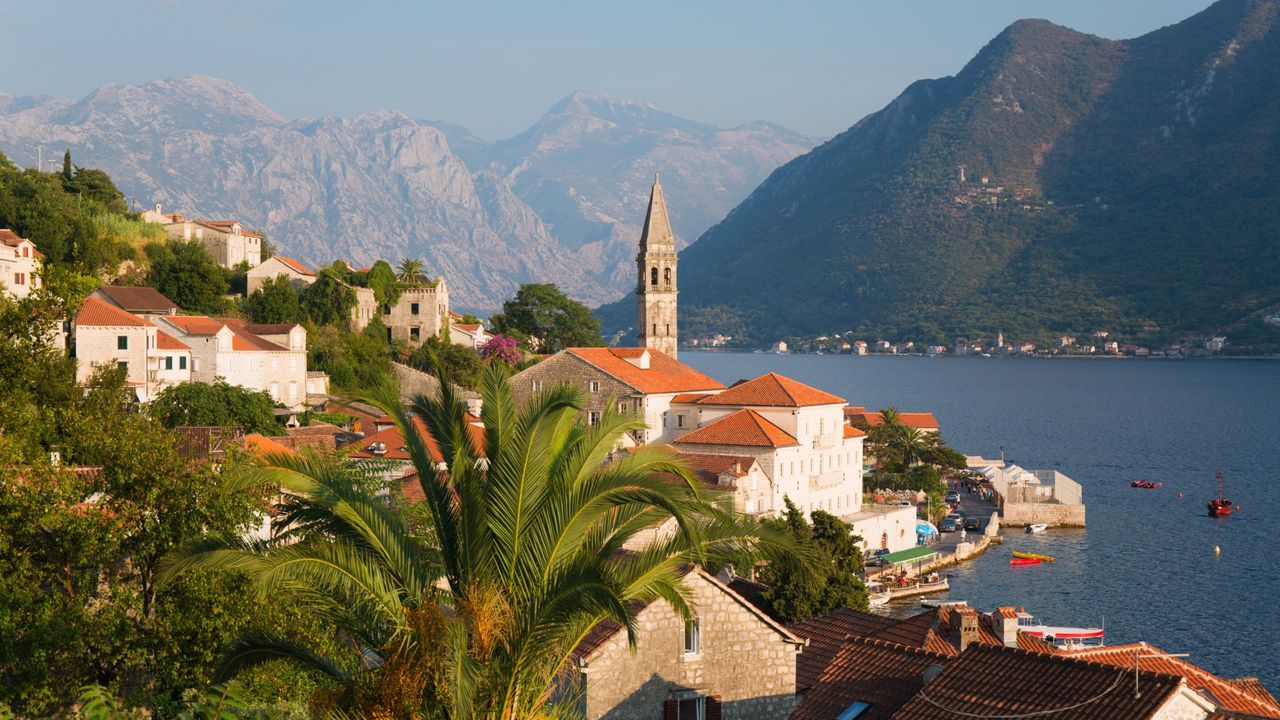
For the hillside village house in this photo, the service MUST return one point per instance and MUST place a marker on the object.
(142, 300)
(226, 240)
(637, 380)
(19, 264)
(106, 335)
(275, 266)
(268, 358)
(472, 335)
(689, 669)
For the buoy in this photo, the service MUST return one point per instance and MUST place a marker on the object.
(1237, 508)
(1217, 550)
(1179, 496)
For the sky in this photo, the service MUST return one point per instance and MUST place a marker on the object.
(495, 67)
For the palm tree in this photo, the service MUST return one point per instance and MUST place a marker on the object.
(409, 271)
(530, 524)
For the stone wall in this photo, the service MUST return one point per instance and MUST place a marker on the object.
(1052, 514)
(749, 664)
(565, 368)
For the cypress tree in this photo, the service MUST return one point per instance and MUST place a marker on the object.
(66, 165)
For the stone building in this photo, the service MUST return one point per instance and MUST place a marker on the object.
(20, 263)
(420, 313)
(267, 358)
(106, 335)
(689, 669)
(226, 240)
(656, 292)
(636, 380)
(275, 266)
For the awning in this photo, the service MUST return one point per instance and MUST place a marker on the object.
(926, 529)
(902, 557)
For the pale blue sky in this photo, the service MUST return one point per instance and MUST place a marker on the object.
(495, 67)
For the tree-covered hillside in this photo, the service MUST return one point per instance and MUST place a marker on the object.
(1060, 182)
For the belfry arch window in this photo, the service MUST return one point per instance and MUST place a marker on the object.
(653, 276)
(666, 276)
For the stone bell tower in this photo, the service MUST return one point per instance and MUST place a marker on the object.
(656, 289)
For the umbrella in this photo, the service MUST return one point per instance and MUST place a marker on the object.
(926, 529)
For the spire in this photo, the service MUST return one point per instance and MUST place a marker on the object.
(657, 227)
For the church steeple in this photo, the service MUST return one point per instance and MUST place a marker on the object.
(656, 282)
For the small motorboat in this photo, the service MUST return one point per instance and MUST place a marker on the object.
(938, 602)
(1219, 506)
(877, 593)
(1144, 484)
(1033, 556)
(1063, 637)
(1018, 562)
(1037, 528)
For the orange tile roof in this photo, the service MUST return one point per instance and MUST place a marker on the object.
(395, 445)
(827, 634)
(852, 432)
(772, 390)
(986, 681)
(195, 324)
(881, 674)
(689, 398)
(294, 265)
(743, 428)
(665, 373)
(99, 313)
(1224, 693)
(1252, 685)
(259, 445)
(165, 341)
(917, 420)
(709, 468)
(466, 327)
(138, 299)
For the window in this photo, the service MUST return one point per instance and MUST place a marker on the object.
(666, 275)
(653, 276)
(414, 332)
(594, 386)
(275, 391)
(692, 709)
(692, 636)
(655, 329)
(18, 279)
(26, 251)
(622, 407)
(593, 418)
(168, 362)
(413, 308)
(680, 420)
(122, 364)
(122, 342)
(182, 362)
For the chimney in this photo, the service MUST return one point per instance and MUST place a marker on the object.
(474, 405)
(964, 626)
(1005, 621)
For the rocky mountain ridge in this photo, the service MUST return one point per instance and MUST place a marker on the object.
(560, 203)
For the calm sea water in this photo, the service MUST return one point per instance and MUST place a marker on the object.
(1145, 565)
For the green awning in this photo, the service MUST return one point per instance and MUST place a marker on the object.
(902, 557)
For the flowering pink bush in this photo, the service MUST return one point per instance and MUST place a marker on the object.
(503, 348)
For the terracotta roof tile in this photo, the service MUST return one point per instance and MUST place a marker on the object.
(394, 443)
(689, 398)
(259, 445)
(100, 313)
(165, 341)
(772, 390)
(1252, 685)
(883, 675)
(294, 265)
(664, 375)
(195, 324)
(827, 634)
(853, 432)
(745, 428)
(861, 417)
(1225, 693)
(1004, 681)
(138, 299)
(709, 467)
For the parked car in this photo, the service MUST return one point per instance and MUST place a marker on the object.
(952, 497)
(972, 524)
(948, 524)
(905, 503)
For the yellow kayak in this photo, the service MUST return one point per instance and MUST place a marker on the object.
(1033, 556)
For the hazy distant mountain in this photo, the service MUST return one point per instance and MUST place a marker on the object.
(487, 216)
(1134, 182)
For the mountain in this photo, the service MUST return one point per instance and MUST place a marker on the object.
(487, 216)
(1059, 182)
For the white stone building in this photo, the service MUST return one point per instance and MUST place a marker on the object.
(275, 266)
(106, 335)
(472, 335)
(20, 264)
(795, 432)
(267, 358)
(226, 240)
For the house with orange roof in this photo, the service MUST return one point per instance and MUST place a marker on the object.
(794, 431)
(863, 419)
(20, 264)
(642, 381)
(226, 240)
(267, 358)
(275, 266)
(104, 334)
(471, 335)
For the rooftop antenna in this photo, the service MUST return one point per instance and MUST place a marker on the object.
(1137, 654)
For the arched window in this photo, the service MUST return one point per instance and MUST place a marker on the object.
(653, 276)
(884, 541)
(666, 275)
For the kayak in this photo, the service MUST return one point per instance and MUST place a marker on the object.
(1024, 561)
(1033, 556)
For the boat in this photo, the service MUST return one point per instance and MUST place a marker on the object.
(1144, 484)
(1035, 556)
(877, 593)
(1219, 506)
(1037, 528)
(1016, 562)
(1061, 635)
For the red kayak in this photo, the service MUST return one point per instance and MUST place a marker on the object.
(1024, 561)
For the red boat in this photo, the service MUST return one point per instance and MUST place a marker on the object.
(1219, 506)
(1144, 484)
(1024, 561)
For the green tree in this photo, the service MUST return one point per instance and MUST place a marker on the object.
(551, 320)
(185, 273)
(441, 358)
(382, 280)
(329, 300)
(219, 403)
(67, 172)
(525, 555)
(410, 271)
(275, 302)
(96, 187)
(354, 361)
(795, 592)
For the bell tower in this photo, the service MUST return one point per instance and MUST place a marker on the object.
(656, 289)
